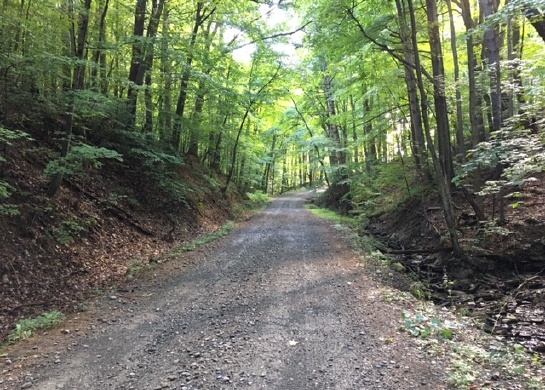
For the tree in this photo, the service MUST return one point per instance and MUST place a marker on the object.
(253, 97)
(77, 43)
(202, 13)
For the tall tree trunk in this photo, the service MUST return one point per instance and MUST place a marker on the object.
(235, 148)
(78, 43)
(439, 95)
(165, 112)
(136, 76)
(320, 159)
(251, 102)
(215, 159)
(418, 144)
(153, 25)
(370, 146)
(200, 18)
(475, 101)
(356, 152)
(459, 110)
(491, 50)
(333, 128)
(142, 60)
(266, 173)
(196, 126)
(98, 73)
(440, 177)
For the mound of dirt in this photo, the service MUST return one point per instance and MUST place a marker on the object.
(93, 233)
(501, 280)
(336, 197)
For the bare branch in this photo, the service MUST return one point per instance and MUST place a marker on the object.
(384, 47)
(262, 39)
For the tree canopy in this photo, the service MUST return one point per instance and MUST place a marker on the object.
(273, 95)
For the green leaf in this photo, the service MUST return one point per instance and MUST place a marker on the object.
(446, 333)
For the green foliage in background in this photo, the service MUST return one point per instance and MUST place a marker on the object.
(80, 159)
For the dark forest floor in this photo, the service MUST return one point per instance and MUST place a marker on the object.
(501, 281)
(93, 234)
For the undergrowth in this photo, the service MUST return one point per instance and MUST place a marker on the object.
(198, 242)
(385, 188)
(25, 328)
(258, 198)
(331, 215)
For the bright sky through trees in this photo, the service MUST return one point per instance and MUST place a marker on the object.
(276, 18)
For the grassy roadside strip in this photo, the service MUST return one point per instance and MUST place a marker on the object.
(331, 215)
(472, 358)
(200, 241)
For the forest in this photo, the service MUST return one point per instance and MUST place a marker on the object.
(160, 115)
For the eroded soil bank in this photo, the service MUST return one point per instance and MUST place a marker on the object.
(281, 303)
(501, 281)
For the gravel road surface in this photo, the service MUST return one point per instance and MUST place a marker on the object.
(282, 303)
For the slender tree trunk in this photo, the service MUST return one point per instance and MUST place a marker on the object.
(356, 152)
(215, 159)
(459, 110)
(475, 101)
(442, 184)
(165, 112)
(340, 155)
(98, 73)
(320, 159)
(195, 131)
(491, 50)
(251, 102)
(153, 25)
(418, 144)
(439, 95)
(235, 148)
(136, 75)
(265, 179)
(369, 138)
(515, 58)
(200, 18)
(78, 81)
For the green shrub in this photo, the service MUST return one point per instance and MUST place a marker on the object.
(388, 186)
(25, 328)
(258, 197)
(5, 192)
(79, 159)
(8, 138)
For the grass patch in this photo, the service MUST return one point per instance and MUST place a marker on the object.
(25, 328)
(222, 232)
(135, 267)
(331, 215)
(198, 242)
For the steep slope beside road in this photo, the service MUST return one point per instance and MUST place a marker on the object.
(282, 303)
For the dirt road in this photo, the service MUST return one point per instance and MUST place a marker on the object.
(281, 303)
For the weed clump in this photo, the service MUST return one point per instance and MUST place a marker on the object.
(25, 328)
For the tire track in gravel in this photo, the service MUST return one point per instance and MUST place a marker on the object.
(282, 303)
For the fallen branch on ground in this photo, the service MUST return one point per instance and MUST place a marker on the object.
(416, 251)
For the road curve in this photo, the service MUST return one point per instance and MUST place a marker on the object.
(281, 303)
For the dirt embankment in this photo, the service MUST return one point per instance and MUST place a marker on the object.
(98, 228)
(500, 281)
